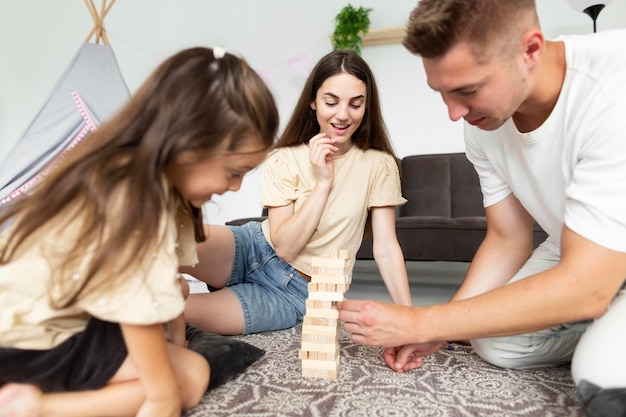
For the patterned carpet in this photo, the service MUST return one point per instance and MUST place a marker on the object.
(451, 383)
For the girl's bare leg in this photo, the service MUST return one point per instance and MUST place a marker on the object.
(121, 397)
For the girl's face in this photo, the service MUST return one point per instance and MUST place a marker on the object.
(340, 106)
(197, 182)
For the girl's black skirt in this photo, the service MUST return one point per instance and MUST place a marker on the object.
(86, 361)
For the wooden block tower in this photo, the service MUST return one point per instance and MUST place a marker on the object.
(330, 279)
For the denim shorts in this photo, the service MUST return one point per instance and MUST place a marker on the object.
(272, 293)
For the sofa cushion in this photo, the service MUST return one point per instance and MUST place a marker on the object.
(434, 222)
(440, 185)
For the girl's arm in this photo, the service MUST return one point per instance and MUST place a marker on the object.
(147, 349)
(175, 329)
(388, 255)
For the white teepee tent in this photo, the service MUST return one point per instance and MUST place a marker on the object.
(88, 92)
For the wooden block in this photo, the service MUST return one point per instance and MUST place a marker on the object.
(321, 330)
(320, 321)
(326, 296)
(312, 329)
(312, 355)
(327, 356)
(319, 373)
(341, 288)
(330, 270)
(320, 338)
(336, 262)
(338, 279)
(331, 313)
(320, 369)
(317, 364)
(340, 253)
(328, 304)
(320, 347)
(317, 356)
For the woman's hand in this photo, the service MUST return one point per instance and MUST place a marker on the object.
(321, 151)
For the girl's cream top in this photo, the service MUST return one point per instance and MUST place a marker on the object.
(148, 294)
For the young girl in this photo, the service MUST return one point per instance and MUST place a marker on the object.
(89, 262)
(333, 165)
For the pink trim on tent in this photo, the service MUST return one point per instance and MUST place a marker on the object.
(89, 126)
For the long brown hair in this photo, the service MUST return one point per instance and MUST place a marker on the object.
(303, 125)
(191, 107)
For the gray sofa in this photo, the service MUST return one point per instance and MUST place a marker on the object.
(444, 218)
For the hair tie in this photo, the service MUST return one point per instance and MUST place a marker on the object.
(219, 52)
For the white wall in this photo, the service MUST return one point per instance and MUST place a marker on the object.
(282, 39)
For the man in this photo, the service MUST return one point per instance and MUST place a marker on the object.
(546, 131)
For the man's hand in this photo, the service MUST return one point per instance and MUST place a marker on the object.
(406, 358)
(377, 323)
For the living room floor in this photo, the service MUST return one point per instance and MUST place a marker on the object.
(430, 282)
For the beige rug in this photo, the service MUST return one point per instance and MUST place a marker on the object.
(451, 383)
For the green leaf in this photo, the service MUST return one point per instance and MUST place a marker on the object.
(350, 25)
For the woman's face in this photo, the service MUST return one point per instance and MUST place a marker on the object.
(197, 182)
(340, 106)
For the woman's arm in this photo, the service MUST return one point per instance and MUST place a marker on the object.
(290, 231)
(147, 349)
(388, 255)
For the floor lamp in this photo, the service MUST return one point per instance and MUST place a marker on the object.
(592, 8)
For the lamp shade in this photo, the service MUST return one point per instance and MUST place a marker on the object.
(582, 5)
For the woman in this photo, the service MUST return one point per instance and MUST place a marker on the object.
(333, 166)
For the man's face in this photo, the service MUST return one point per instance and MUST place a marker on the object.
(485, 94)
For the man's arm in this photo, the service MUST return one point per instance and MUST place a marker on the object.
(580, 287)
(507, 245)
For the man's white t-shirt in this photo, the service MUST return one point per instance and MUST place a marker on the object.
(572, 169)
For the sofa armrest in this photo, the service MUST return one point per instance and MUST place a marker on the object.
(244, 220)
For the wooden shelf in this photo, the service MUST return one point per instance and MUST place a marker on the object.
(384, 36)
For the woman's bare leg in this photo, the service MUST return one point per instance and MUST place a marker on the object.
(217, 312)
(121, 397)
(216, 256)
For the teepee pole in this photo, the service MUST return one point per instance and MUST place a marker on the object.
(98, 19)
(94, 16)
(103, 13)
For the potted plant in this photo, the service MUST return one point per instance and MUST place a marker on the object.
(351, 25)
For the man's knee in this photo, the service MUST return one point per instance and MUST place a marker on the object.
(526, 351)
(491, 351)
